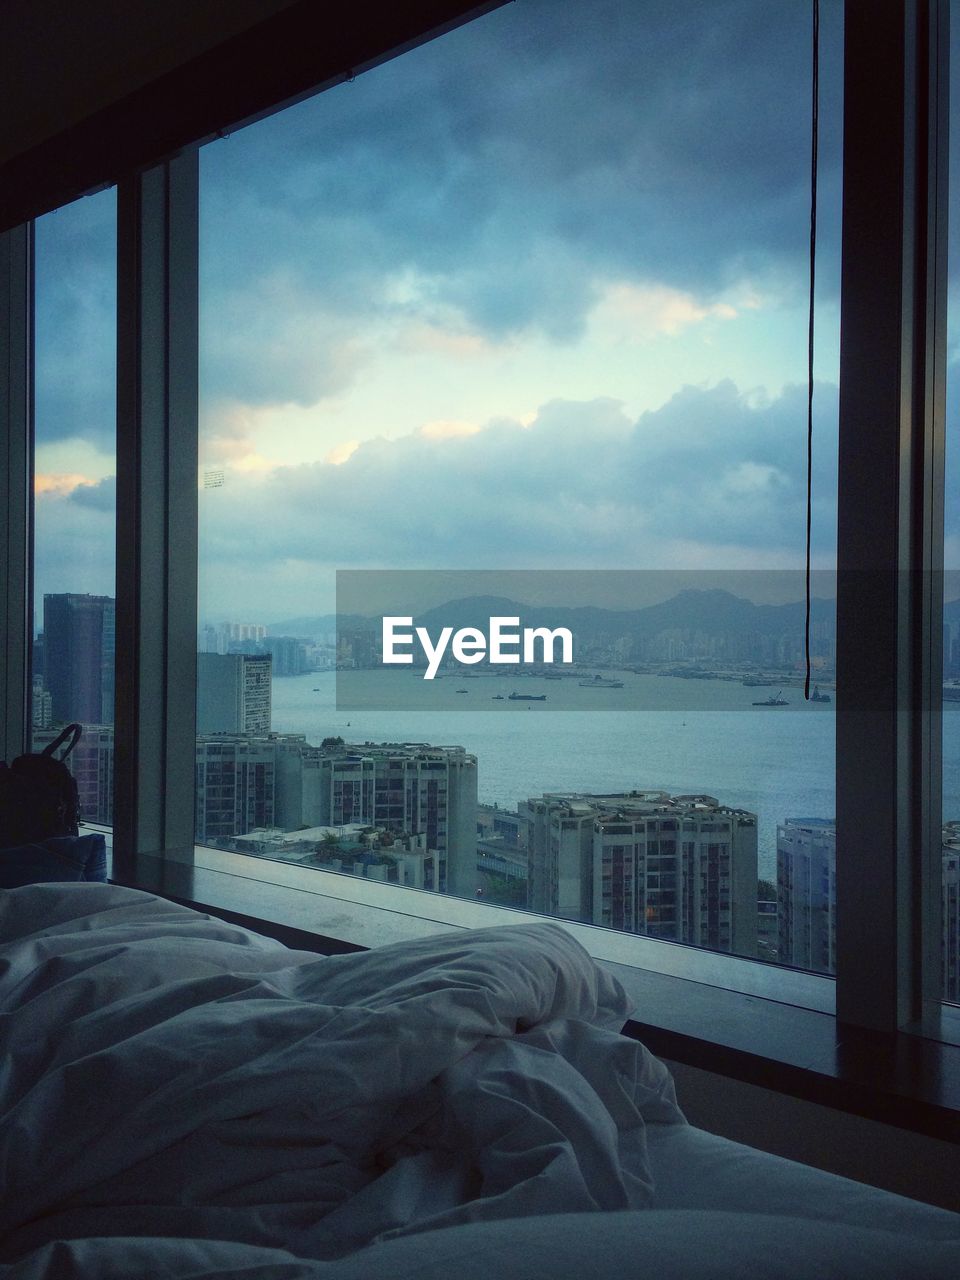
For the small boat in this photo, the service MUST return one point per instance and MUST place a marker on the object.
(817, 696)
(463, 691)
(497, 697)
(527, 697)
(778, 701)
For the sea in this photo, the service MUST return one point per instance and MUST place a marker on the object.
(665, 733)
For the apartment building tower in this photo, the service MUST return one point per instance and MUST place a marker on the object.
(236, 786)
(683, 868)
(807, 893)
(807, 898)
(411, 789)
(233, 693)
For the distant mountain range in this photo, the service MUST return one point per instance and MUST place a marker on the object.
(709, 612)
(310, 628)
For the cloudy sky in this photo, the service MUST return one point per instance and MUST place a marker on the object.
(532, 296)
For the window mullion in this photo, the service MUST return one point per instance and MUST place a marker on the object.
(890, 511)
(156, 515)
(16, 476)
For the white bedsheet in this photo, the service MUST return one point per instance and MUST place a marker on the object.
(655, 1244)
(180, 1098)
(168, 1074)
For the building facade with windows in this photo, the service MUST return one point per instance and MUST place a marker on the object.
(682, 868)
(807, 898)
(411, 789)
(234, 692)
(236, 782)
(807, 893)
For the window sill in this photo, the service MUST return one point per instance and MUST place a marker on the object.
(749, 1021)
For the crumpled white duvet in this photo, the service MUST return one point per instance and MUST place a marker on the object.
(166, 1074)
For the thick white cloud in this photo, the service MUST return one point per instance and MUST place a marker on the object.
(75, 542)
(76, 332)
(693, 484)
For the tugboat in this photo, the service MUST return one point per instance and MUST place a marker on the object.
(600, 682)
(773, 702)
(463, 691)
(527, 697)
(497, 697)
(817, 696)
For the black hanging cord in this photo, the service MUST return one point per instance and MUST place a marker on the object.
(814, 132)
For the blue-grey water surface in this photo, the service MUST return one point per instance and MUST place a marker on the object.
(703, 736)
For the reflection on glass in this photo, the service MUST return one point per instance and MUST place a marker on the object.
(75, 510)
(532, 297)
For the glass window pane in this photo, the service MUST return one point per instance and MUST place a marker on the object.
(531, 301)
(75, 487)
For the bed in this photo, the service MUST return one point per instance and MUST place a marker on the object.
(181, 1097)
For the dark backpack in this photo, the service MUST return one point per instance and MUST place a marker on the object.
(38, 794)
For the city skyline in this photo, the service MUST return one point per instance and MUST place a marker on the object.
(532, 296)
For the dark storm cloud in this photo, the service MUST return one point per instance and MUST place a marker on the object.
(516, 162)
(76, 322)
(101, 496)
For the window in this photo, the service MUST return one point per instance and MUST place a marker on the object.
(884, 795)
(455, 321)
(75, 491)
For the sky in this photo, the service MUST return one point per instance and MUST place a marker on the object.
(533, 296)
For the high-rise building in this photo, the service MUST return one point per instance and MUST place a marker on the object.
(42, 705)
(289, 655)
(411, 789)
(244, 630)
(807, 898)
(210, 640)
(677, 867)
(79, 670)
(236, 786)
(246, 781)
(951, 649)
(424, 795)
(358, 648)
(807, 893)
(233, 693)
(951, 912)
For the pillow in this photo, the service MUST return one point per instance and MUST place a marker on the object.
(57, 858)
